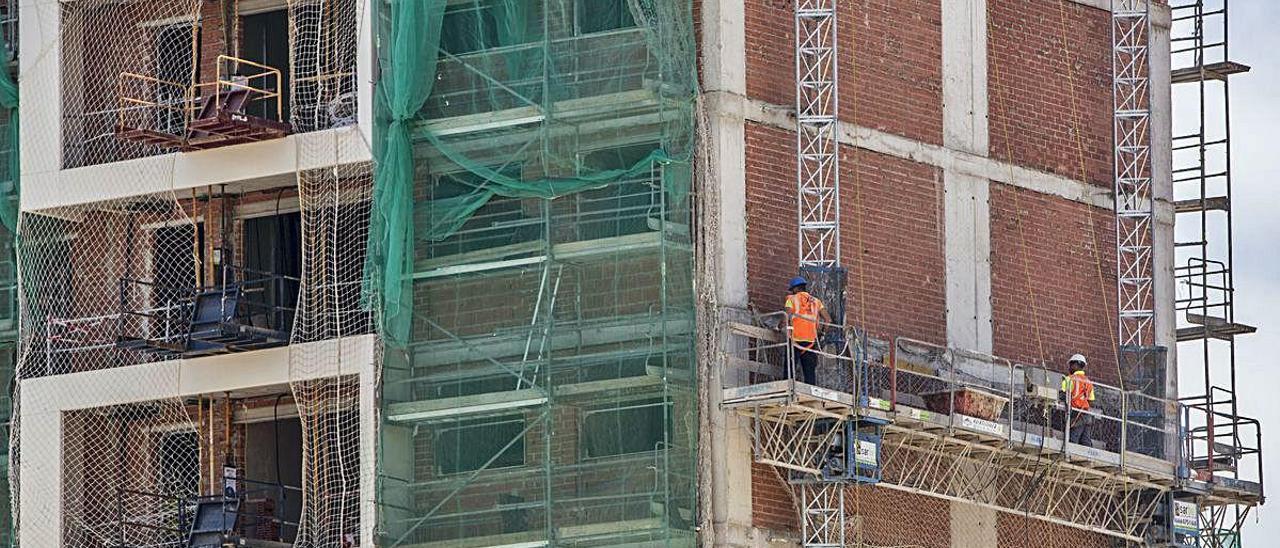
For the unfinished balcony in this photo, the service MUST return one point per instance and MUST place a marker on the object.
(155, 77)
(156, 321)
(155, 279)
(968, 426)
(241, 105)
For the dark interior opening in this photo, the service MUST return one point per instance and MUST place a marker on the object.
(265, 40)
(273, 462)
(273, 246)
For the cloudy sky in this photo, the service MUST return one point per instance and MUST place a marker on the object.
(1255, 104)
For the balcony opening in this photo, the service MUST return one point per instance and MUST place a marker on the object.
(273, 247)
(272, 472)
(145, 78)
(265, 40)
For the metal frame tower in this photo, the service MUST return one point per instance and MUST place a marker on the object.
(1219, 438)
(818, 216)
(1134, 203)
(817, 150)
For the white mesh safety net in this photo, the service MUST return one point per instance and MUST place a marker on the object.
(329, 373)
(107, 273)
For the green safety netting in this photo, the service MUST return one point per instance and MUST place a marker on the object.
(531, 255)
(9, 189)
(8, 281)
(509, 57)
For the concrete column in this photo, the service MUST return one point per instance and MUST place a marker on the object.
(40, 489)
(964, 75)
(725, 454)
(1166, 321)
(967, 213)
(973, 525)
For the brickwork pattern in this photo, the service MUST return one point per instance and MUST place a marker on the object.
(1073, 306)
(901, 251)
(890, 72)
(1031, 85)
(1023, 532)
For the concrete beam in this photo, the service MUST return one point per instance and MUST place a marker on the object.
(947, 159)
(941, 157)
(277, 159)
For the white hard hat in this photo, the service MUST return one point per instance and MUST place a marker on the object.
(1078, 358)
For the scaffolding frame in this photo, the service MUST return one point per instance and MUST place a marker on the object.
(1220, 442)
(1016, 453)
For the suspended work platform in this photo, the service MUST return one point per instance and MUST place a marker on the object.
(976, 428)
(241, 105)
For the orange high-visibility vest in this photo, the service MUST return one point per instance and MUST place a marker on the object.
(803, 309)
(1079, 389)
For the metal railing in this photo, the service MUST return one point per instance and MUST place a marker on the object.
(262, 83)
(1022, 403)
(1220, 447)
(170, 521)
(169, 107)
(163, 315)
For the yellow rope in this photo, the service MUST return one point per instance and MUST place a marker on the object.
(1084, 178)
(1017, 208)
(858, 228)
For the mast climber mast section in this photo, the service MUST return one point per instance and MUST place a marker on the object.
(1134, 201)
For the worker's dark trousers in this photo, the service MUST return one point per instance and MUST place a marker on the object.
(804, 361)
(1081, 428)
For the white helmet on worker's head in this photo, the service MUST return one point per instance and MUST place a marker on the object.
(1077, 359)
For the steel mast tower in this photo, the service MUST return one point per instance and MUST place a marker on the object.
(817, 150)
(1134, 203)
(818, 218)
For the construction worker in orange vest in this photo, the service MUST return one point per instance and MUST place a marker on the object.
(1077, 391)
(804, 311)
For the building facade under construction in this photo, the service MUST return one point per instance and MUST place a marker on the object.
(468, 273)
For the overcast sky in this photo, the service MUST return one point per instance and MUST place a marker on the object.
(1255, 104)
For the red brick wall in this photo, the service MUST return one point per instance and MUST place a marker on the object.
(898, 518)
(1031, 85)
(1074, 307)
(890, 72)
(771, 504)
(1022, 532)
(901, 242)
(212, 43)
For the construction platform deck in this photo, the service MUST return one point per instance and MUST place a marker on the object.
(905, 424)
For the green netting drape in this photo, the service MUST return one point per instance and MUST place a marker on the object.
(526, 75)
(9, 191)
(414, 35)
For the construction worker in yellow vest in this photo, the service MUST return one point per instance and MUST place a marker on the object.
(804, 311)
(1077, 391)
